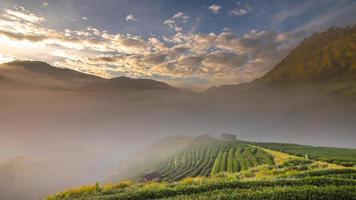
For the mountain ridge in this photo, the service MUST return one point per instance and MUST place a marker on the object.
(323, 58)
(39, 69)
(319, 58)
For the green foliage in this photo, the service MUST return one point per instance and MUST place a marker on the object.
(217, 163)
(97, 187)
(327, 154)
(296, 163)
(76, 193)
(276, 193)
(223, 162)
(231, 161)
(212, 157)
(211, 188)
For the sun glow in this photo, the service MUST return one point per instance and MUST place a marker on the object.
(5, 59)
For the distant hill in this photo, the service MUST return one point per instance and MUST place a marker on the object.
(143, 84)
(54, 72)
(41, 74)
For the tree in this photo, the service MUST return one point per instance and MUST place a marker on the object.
(306, 157)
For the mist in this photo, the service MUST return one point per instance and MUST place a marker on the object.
(59, 136)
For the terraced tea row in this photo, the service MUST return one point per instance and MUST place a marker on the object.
(211, 158)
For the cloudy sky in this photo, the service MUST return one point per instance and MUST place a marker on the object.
(192, 43)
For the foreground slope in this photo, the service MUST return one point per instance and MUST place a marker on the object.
(312, 187)
(267, 174)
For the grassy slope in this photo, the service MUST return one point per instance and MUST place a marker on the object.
(327, 154)
(287, 176)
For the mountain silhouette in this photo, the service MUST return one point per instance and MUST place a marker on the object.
(41, 74)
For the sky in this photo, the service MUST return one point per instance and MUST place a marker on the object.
(186, 43)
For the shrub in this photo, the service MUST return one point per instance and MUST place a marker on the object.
(124, 184)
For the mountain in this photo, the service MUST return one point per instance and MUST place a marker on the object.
(141, 84)
(329, 56)
(326, 59)
(41, 74)
(54, 72)
(211, 168)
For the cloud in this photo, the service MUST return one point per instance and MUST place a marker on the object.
(132, 18)
(21, 14)
(20, 36)
(180, 15)
(240, 10)
(45, 3)
(340, 14)
(213, 58)
(129, 43)
(226, 59)
(6, 58)
(178, 29)
(176, 20)
(170, 23)
(215, 8)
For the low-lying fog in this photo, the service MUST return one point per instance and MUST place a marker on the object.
(51, 140)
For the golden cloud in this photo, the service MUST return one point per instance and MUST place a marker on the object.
(218, 58)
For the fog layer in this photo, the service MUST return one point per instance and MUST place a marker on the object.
(60, 136)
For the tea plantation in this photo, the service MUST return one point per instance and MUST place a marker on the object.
(216, 169)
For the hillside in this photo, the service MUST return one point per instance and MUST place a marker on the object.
(231, 170)
(325, 62)
(328, 154)
(206, 156)
(147, 157)
(329, 56)
(210, 157)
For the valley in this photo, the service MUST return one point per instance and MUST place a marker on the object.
(177, 100)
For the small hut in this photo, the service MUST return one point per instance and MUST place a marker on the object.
(228, 136)
(152, 176)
